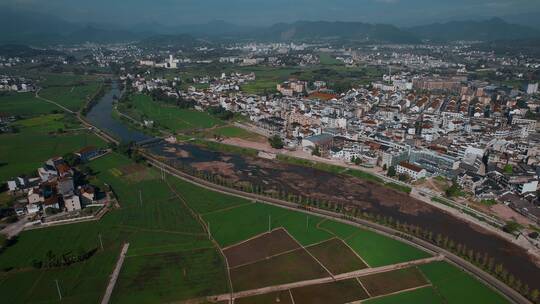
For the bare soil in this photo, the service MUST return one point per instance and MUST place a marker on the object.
(260, 248)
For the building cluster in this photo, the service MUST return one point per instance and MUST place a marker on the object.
(469, 131)
(16, 84)
(56, 188)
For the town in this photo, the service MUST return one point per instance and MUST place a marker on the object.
(218, 152)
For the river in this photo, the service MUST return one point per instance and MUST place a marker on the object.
(100, 115)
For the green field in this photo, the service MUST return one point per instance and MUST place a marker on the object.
(234, 132)
(327, 59)
(159, 227)
(170, 257)
(252, 219)
(38, 140)
(72, 97)
(169, 116)
(24, 104)
(455, 286)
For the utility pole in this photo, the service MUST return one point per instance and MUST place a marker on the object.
(140, 197)
(58, 289)
(269, 222)
(100, 241)
(209, 233)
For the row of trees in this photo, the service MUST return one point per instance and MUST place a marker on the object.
(53, 261)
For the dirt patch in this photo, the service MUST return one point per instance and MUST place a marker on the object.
(345, 291)
(182, 154)
(217, 167)
(508, 214)
(132, 168)
(260, 248)
(336, 256)
(282, 269)
(393, 281)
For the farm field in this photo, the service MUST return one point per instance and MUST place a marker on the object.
(456, 286)
(170, 117)
(171, 259)
(374, 248)
(24, 104)
(282, 297)
(73, 96)
(260, 248)
(281, 269)
(336, 256)
(425, 295)
(337, 292)
(38, 139)
(402, 279)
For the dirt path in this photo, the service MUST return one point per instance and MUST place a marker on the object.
(114, 275)
(329, 279)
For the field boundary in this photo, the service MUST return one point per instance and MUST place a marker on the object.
(312, 256)
(227, 209)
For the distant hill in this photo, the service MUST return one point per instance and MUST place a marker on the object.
(40, 29)
(175, 41)
(94, 34)
(529, 47)
(485, 30)
(323, 30)
(17, 50)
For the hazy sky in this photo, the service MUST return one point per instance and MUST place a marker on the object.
(172, 12)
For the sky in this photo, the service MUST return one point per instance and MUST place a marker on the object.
(264, 12)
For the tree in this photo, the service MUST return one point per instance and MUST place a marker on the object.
(512, 227)
(391, 171)
(71, 159)
(454, 190)
(384, 167)
(276, 142)
(535, 295)
(316, 151)
(403, 177)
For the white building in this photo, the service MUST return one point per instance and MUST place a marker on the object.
(72, 203)
(532, 88)
(413, 171)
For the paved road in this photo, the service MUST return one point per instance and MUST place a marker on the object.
(494, 283)
(114, 275)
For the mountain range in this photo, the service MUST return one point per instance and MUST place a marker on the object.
(40, 29)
